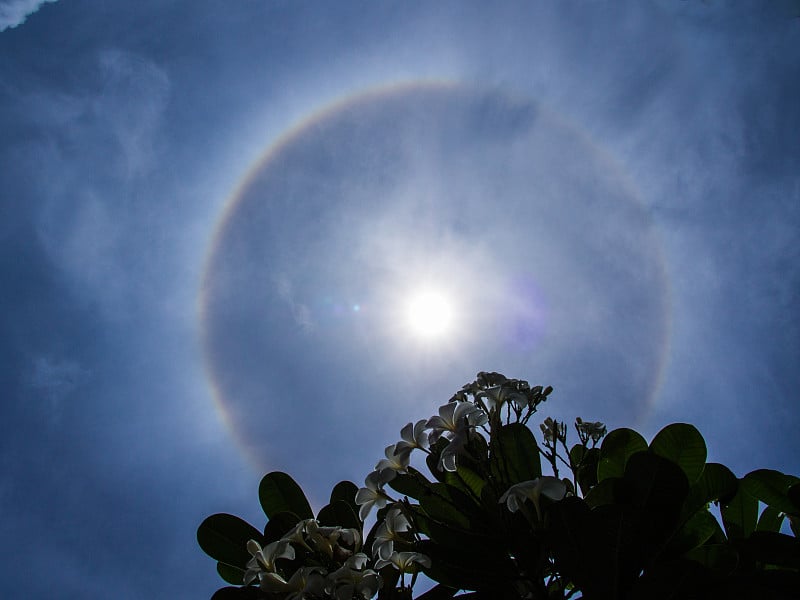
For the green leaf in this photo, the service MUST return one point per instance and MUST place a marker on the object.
(771, 519)
(339, 513)
(717, 483)
(238, 593)
(233, 575)
(771, 487)
(279, 525)
(412, 484)
(722, 558)
(588, 459)
(224, 537)
(657, 484)
(793, 494)
(739, 515)
(346, 492)
(617, 447)
(682, 444)
(693, 533)
(280, 493)
(466, 480)
(772, 548)
(514, 455)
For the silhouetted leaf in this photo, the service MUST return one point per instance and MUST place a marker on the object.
(717, 483)
(224, 537)
(657, 484)
(693, 533)
(771, 487)
(280, 493)
(721, 558)
(279, 525)
(412, 484)
(585, 460)
(740, 514)
(682, 444)
(514, 455)
(233, 575)
(339, 513)
(346, 492)
(771, 519)
(237, 593)
(617, 447)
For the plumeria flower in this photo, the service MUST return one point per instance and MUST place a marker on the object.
(454, 417)
(373, 494)
(388, 532)
(405, 561)
(304, 583)
(396, 460)
(553, 430)
(448, 457)
(587, 429)
(353, 580)
(413, 436)
(550, 487)
(263, 560)
(296, 534)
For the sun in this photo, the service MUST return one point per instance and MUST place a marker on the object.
(429, 313)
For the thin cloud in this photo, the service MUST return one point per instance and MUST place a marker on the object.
(14, 13)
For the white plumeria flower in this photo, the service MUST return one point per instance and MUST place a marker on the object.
(373, 494)
(348, 582)
(263, 560)
(457, 445)
(404, 561)
(388, 532)
(454, 417)
(396, 460)
(413, 436)
(517, 494)
(305, 582)
(594, 430)
(498, 395)
(296, 534)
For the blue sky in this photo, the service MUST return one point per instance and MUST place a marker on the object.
(214, 215)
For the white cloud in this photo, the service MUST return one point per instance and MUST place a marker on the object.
(15, 12)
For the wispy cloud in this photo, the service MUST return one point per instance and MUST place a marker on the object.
(14, 12)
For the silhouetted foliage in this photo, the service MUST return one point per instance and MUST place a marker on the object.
(617, 518)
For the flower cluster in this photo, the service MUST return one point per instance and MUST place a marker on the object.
(332, 565)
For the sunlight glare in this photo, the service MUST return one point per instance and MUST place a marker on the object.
(429, 314)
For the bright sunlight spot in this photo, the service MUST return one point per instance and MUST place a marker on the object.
(429, 314)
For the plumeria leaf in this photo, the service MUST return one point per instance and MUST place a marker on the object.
(617, 447)
(346, 492)
(339, 513)
(585, 460)
(279, 525)
(695, 532)
(771, 487)
(514, 455)
(659, 486)
(722, 558)
(224, 537)
(684, 445)
(412, 484)
(280, 493)
(739, 515)
(237, 593)
(717, 483)
(771, 519)
(232, 575)
(466, 480)
(772, 548)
